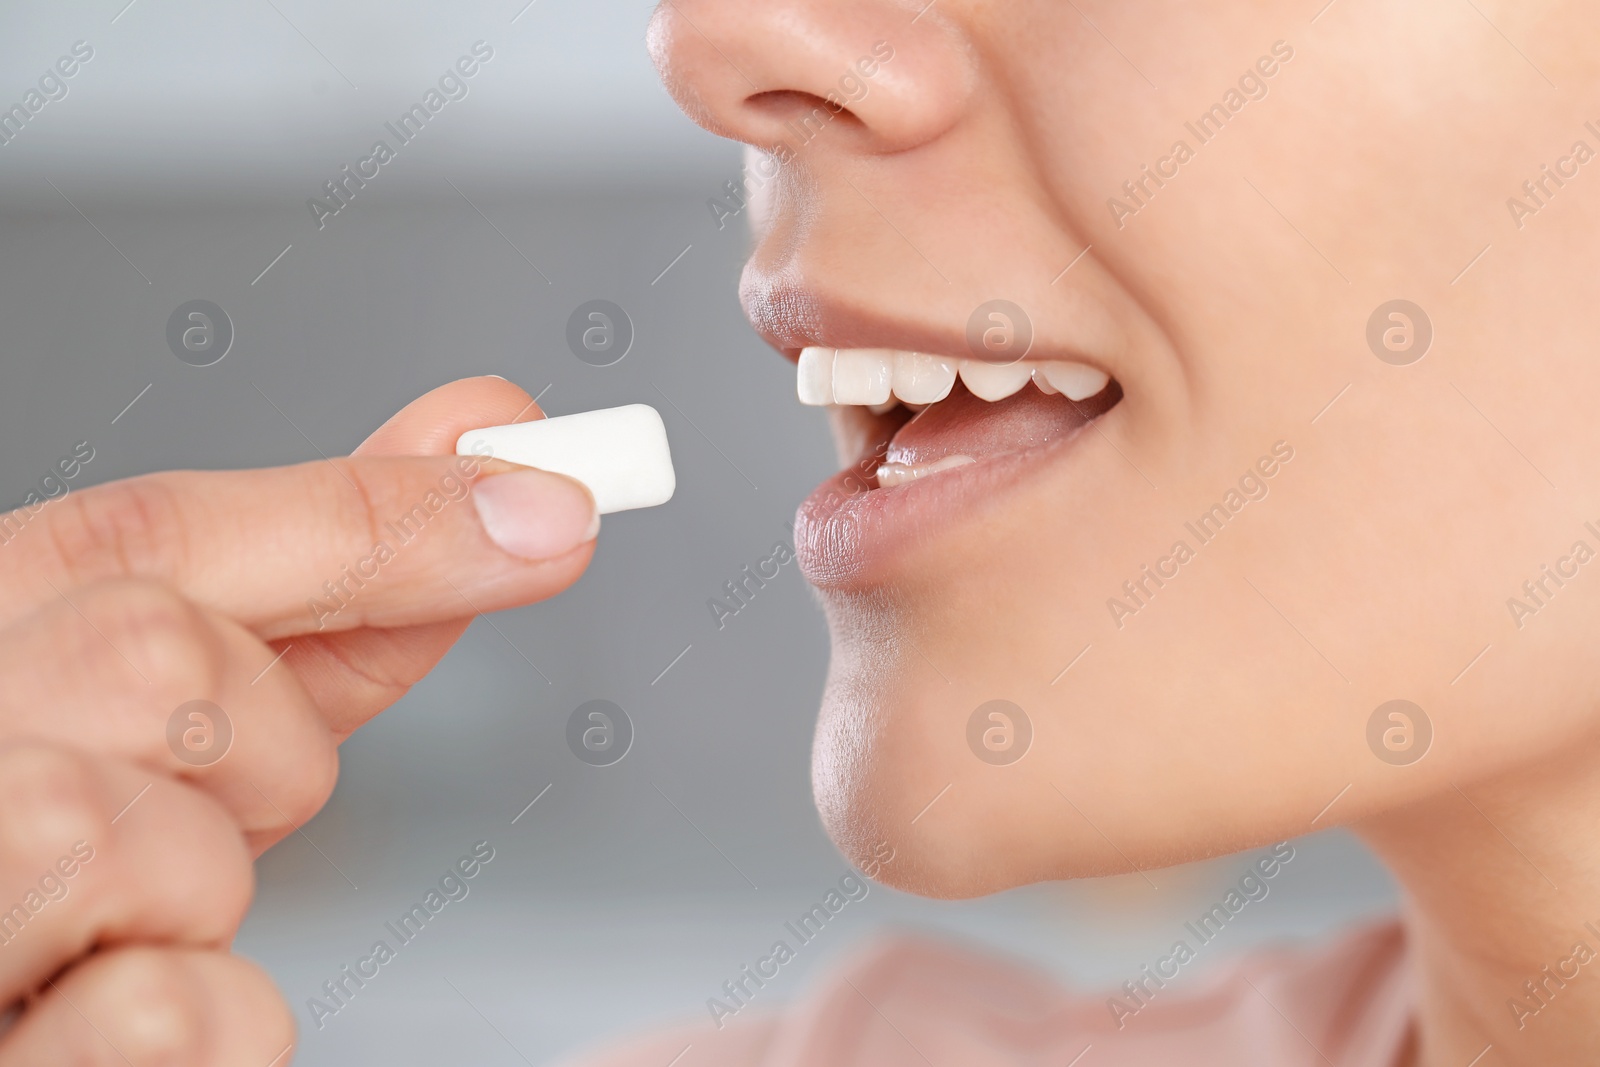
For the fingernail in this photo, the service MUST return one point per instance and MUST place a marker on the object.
(535, 514)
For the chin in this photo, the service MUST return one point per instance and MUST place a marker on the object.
(906, 802)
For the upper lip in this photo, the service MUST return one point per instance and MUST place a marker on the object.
(791, 317)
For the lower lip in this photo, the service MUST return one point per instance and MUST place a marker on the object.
(848, 532)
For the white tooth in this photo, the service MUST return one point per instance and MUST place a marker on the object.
(861, 375)
(814, 376)
(1043, 383)
(920, 379)
(893, 474)
(990, 381)
(879, 409)
(1077, 381)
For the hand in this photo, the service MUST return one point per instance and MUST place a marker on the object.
(126, 842)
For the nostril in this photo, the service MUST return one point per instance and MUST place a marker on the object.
(776, 73)
(801, 111)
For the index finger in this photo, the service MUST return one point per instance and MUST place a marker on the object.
(318, 547)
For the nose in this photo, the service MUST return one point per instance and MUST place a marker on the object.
(882, 76)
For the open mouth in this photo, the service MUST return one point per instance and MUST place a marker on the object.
(921, 415)
(928, 438)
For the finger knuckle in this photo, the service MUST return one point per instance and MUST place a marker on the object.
(165, 637)
(208, 879)
(49, 800)
(178, 1008)
(154, 1004)
(134, 526)
(269, 1012)
(357, 490)
(304, 793)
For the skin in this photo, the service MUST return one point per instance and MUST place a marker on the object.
(1230, 712)
(1232, 709)
(125, 601)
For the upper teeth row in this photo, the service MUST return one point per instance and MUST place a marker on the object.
(867, 376)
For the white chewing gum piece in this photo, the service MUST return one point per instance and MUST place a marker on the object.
(621, 454)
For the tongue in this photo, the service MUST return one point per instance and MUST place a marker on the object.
(963, 425)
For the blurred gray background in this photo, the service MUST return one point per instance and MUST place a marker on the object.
(177, 167)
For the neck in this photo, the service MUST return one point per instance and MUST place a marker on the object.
(1502, 884)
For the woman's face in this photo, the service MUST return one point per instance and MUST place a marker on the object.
(1307, 502)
